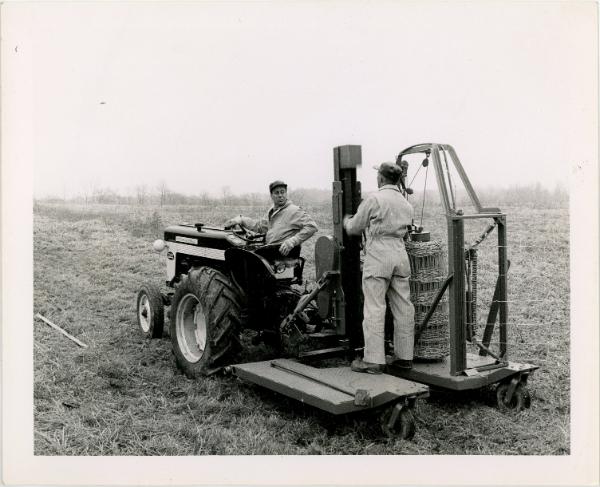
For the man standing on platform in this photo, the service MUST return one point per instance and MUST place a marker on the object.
(384, 216)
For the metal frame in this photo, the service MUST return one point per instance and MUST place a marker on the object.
(457, 308)
(434, 150)
(466, 370)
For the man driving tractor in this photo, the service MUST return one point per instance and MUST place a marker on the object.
(286, 223)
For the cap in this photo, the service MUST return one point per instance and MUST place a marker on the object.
(276, 184)
(389, 170)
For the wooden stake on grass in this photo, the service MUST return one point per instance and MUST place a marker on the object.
(56, 327)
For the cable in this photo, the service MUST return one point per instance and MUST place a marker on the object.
(411, 181)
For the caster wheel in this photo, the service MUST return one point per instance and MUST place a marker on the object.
(398, 423)
(526, 395)
(520, 400)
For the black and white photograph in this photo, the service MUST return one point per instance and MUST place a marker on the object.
(296, 242)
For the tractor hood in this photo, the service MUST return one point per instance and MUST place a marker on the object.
(203, 236)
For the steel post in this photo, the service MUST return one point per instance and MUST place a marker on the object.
(502, 288)
(347, 196)
(457, 312)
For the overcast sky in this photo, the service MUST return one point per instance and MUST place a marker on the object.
(207, 95)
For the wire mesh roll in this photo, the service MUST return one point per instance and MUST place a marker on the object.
(474, 281)
(471, 294)
(428, 273)
(427, 259)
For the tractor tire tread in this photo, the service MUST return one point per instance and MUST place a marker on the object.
(222, 306)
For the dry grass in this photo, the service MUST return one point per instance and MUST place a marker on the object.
(123, 395)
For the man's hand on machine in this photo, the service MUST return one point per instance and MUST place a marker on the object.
(345, 219)
(287, 246)
(233, 222)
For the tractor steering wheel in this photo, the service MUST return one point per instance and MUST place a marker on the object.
(238, 229)
(244, 233)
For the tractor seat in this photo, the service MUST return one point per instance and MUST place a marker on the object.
(289, 267)
(264, 266)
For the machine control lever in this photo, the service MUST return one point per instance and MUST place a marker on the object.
(305, 300)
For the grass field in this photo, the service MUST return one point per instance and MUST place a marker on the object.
(124, 396)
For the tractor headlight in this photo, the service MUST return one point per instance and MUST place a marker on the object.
(159, 245)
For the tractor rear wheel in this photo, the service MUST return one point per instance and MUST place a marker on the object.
(150, 311)
(205, 322)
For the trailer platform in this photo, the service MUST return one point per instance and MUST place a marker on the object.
(337, 390)
(480, 372)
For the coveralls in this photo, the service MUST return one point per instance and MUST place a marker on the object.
(286, 222)
(386, 269)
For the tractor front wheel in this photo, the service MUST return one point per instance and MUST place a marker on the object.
(205, 322)
(150, 311)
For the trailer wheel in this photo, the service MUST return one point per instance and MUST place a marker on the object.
(205, 322)
(398, 422)
(526, 395)
(520, 400)
(150, 311)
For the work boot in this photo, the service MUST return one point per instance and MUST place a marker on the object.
(359, 365)
(402, 364)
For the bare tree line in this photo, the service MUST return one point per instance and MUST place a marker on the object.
(161, 195)
(531, 195)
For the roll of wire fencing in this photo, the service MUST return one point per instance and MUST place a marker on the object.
(428, 273)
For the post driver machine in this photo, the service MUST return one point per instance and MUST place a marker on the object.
(337, 296)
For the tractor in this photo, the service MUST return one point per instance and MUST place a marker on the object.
(222, 282)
